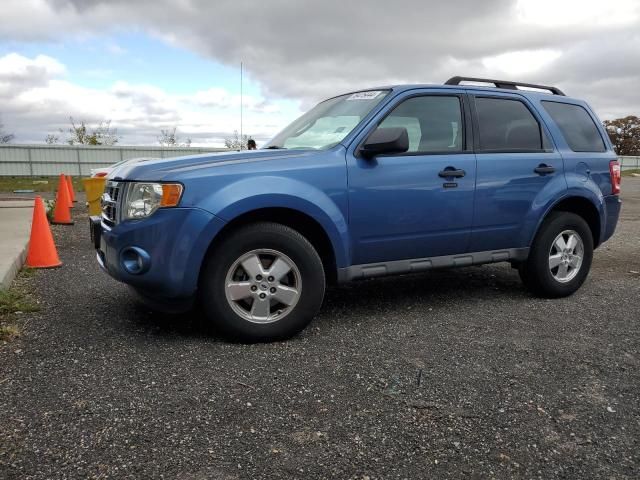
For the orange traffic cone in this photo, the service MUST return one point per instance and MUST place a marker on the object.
(62, 212)
(62, 183)
(42, 251)
(72, 194)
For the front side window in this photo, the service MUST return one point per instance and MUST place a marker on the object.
(507, 125)
(434, 123)
(329, 122)
(576, 125)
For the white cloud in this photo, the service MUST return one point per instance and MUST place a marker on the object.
(310, 50)
(14, 64)
(521, 62)
(36, 99)
(567, 13)
(18, 73)
(221, 98)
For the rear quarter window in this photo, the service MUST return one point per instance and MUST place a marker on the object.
(576, 125)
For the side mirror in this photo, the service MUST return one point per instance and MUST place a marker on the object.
(386, 140)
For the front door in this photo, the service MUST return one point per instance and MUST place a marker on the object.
(419, 203)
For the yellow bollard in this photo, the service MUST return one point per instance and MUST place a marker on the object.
(94, 187)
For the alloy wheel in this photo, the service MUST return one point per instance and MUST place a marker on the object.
(263, 286)
(565, 256)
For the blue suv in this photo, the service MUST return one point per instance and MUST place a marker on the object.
(384, 181)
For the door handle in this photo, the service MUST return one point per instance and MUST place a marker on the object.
(543, 169)
(452, 173)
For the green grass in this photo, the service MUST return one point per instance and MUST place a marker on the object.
(8, 332)
(28, 272)
(12, 302)
(9, 184)
(627, 173)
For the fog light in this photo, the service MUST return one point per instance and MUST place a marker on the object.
(135, 260)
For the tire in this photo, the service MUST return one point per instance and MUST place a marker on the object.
(236, 275)
(542, 273)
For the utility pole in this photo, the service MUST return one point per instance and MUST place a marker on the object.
(241, 138)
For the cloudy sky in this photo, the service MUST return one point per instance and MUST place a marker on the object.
(153, 64)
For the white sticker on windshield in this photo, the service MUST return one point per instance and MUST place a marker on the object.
(365, 95)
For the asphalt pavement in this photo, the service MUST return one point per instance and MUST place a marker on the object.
(449, 374)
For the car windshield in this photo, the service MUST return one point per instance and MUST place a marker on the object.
(326, 124)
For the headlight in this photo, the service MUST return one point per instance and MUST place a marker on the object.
(145, 198)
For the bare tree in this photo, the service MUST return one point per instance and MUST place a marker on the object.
(234, 142)
(170, 138)
(624, 134)
(101, 134)
(5, 137)
(51, 139)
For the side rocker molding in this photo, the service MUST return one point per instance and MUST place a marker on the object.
(413, 265)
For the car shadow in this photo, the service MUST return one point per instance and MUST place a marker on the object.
(361, 299)
(459, 284)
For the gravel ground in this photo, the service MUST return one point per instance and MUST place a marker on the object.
(450, 374)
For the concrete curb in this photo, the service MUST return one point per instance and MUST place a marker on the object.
(9, 273)
(15, 218)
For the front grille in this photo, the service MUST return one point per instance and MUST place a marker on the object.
(111, 202)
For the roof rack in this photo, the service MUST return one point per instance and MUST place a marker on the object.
(503, 84)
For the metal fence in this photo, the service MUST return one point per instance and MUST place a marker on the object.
(630, 163)
(48, 160)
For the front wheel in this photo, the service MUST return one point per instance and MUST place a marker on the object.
(560, 257)
(263, 282)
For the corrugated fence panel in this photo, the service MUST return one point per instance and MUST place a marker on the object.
(140, 153)
(53, 161)
(46, 160)
(14, 161)
(96, 158)
(630, 163)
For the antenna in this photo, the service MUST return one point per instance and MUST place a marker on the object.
(241, 137)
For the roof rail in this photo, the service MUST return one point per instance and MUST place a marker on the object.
(503, 84)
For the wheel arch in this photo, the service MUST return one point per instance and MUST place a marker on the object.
(581, 206)
(297, 220)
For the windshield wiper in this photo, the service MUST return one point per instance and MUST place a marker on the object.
(275, 147)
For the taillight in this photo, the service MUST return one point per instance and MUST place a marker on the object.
(101, 174)
(614, 170)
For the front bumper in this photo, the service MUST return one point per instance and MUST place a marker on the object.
(175, 240)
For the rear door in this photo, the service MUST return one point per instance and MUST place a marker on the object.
(516, 162)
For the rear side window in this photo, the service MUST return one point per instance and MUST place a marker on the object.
(576, 125)
(507, 125)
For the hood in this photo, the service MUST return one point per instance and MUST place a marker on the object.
(168, 168)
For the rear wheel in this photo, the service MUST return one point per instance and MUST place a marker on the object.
(263, 282)
(560, 257)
